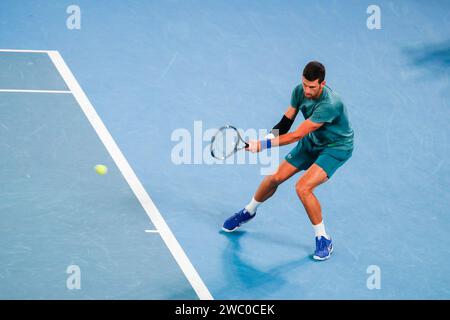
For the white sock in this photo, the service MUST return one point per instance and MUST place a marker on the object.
(319, 230)
(251, 207)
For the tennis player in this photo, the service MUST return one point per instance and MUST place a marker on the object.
(325, 142)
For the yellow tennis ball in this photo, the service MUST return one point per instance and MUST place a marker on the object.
(101, 169)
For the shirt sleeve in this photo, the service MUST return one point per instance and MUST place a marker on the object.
(297, 96)
(325, 112)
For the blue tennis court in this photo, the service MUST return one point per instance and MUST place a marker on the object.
(133, 79)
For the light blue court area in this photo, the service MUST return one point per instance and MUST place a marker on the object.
(56, 212)
(151, 68)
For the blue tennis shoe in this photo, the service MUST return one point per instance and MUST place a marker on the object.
(235, 221)
(324, 248)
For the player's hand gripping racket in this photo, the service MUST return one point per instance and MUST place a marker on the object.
(226, 141)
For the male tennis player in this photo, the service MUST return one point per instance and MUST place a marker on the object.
(325, 142)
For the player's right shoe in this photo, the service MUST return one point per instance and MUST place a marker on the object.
(235, 221)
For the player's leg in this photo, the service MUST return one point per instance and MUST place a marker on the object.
(319, 172)
(305, 186)
(299, 158)
(265, 190)
(270, 183)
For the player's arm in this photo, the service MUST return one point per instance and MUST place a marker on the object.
(285, 123)
(303, 129)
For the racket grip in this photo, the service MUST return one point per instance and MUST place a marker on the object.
(246, 145)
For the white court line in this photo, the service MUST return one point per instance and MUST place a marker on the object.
(18, 50)
(151, 231)
(129, 175)
(34, 91)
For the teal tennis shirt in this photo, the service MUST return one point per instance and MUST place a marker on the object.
(336, 131)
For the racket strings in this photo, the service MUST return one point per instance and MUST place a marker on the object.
(225, 143)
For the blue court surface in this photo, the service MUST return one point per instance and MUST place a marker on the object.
(119, 82)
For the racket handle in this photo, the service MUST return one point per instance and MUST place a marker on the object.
(246, 145)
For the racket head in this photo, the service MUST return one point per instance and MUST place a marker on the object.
(226, 142)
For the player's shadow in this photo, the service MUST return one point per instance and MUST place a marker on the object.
(244, 276)
(434, 58)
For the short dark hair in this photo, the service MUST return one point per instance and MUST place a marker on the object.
(314, 70)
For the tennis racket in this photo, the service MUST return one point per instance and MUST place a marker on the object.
(226, 142)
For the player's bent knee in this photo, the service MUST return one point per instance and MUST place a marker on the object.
(276, 179)
(302, 189)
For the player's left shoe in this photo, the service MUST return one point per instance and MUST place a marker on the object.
(324, 248)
